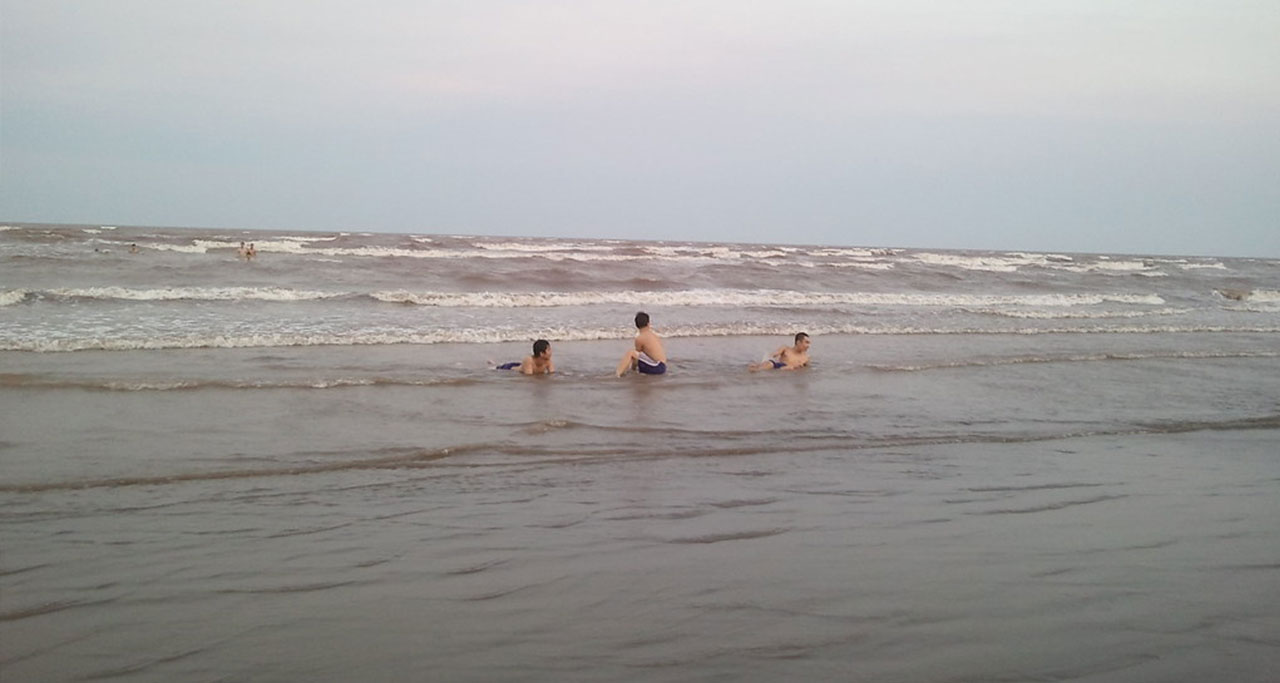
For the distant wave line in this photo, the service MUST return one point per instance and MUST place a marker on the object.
(545, 299)
(491, 335)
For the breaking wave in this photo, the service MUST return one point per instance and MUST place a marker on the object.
(520, 334)
(743, 297)
(188, 293)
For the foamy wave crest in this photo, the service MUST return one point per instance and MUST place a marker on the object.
(540, 248)
(12, 296)
(1265, 295)
(852, 252)
(192, 293)
(1255, 308)
(490, 335)
(1040, 259)
(742, 297)
(304, 240)
(1113, 267)
(867, 265)
(1202, 266)
(1077, 315)
(182, 248)
(995, 264)
(453, 336)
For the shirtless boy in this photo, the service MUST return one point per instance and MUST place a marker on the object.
(537, 364)
(648, 356)
(787, 357)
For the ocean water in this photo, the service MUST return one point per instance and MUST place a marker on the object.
(1001, 466)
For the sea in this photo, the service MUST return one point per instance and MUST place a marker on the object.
(999, 465)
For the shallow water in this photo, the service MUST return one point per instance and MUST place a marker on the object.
(947, 505)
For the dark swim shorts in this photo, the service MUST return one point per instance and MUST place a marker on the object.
(647, 369)
(508, 366)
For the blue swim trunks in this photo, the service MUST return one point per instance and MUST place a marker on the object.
(508, 366)
(777, 364)
(647, 366)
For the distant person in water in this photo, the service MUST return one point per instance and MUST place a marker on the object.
(647, 357)
(537, 364)
(787, 357)
(133, 248)
(251, 252)
(242, 252)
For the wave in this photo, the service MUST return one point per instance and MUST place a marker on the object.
(188, 293)
(426, 248)
(1079, 358)
(406, 458)
(397, 458)
(12, 296)
(750, 297)
(503, 335)
(868, 265)
(1114, 267)
(1077, 315)
(1252, 301)
(496, 299)
(539, 248)
(40, 382)
(994, 264)
(1202, 266)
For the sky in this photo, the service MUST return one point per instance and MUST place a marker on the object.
(1146, 126)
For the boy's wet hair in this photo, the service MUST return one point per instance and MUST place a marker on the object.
(642, 320)
(540, 346)
(801, 335)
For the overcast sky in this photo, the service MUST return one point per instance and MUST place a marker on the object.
(1147, 126)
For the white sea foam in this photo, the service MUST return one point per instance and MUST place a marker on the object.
(564, 251)
(183, 248)
(193, 293)
(12, 296)
(1254, 308)
(744, 297)
(1107, 266)
(1070, 314)
(91, 231)
(1040, 259)
(995, 264)
(852, 252)
(867, 265)
(483, 336)
(1203, 266)
(295, 238)
(1265, 295)
(539, 248)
